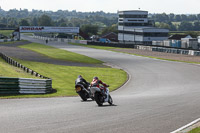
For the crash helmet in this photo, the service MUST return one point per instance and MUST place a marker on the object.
(79, 76)
(96, 78)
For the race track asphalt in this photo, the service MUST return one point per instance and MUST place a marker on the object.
(160, 97)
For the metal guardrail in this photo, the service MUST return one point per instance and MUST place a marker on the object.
(24, 85)
(16, 64)
(169, 50)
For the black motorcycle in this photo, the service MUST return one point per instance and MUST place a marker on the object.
(83, 91)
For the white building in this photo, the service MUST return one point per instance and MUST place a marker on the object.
(134, 26)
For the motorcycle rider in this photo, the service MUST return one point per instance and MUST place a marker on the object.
(96, 83)
(80, 79)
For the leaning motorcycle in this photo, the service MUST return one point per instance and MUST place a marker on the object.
(100, 97)
(83, 92)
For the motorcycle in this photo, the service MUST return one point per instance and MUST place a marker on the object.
(83, 92)
(100, 97)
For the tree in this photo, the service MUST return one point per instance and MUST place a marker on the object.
(34, 22)
(163, 25)
(184, 17)
(192, 17)
(178, 18)
(172, 27)
(24, 22)
(90, 29)
(112, 28)
(185, 26)
(196, 26)
(192, 34)
(45, 20)
(198, 17)
(171, 17)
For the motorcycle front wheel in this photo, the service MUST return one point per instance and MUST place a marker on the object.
(99, 99)
(110, 101)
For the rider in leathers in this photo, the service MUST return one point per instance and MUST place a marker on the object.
(80, 79)
(95, 83)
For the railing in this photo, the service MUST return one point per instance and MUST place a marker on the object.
(16, 64)
(169, 50)
(24, 85)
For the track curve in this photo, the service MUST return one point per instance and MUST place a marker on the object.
(160, 97)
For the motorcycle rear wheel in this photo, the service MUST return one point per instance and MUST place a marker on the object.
(83, 96)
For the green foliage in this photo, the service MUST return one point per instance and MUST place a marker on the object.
(184, 26)
(112, 28)
(93, 46)
(90, 29)
(196, 130)
(7, 70)
(180, 22)
(45, 20)
(12, 18)
(63, 77)
(24, 22)
(163, 25)
(194, 34)
(6, 32)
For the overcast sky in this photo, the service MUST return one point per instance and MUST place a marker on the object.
(112, 6)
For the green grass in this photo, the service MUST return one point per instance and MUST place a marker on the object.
(11, 42)
(6, 32)
(28, 34)
(7, 70)
(94, 46)
(60, 54)
(196, 130)
(63, 77)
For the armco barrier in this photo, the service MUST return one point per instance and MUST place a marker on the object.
(25, 86)
(169, 50)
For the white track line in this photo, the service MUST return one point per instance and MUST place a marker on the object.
(186, 126)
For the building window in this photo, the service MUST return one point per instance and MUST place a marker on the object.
(145, 34)
(133, 24)
(132, 16)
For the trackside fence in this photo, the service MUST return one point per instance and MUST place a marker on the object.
(24, 85)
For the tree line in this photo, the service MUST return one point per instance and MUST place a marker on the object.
(98, 21)
(177, 22)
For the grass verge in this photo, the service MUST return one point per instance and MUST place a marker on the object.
(60, 54)
(196, 130)
(11, 42)
(94, 46)
(7, 70)
(63, 77)
(6, 32)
